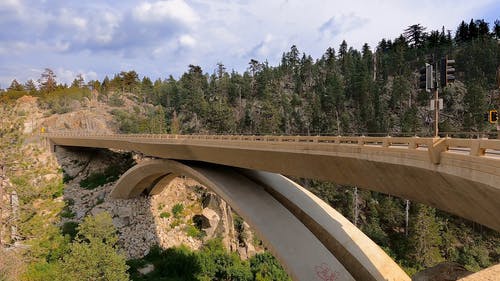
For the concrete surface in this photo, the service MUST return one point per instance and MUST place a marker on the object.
(435, 172)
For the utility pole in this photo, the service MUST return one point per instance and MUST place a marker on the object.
(436, 106)
(434, 76)
(407, 211)
(355, 203)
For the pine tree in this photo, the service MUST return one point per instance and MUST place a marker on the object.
(415, 35)
(93, 255)
(30, 87)
(47, 81)
(425, 237)
(15, 86)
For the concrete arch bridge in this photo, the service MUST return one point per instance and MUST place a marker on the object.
(311, 239)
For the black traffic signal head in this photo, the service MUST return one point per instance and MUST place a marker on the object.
(447, 72)
(426, 78)
(493, 116)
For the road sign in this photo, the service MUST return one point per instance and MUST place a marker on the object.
(440, 104)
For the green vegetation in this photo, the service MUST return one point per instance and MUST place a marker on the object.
(153, 121)
(70, 228)
(211, 262)
(177, 210)
(346, 91)
(432, 236)
(193, 231)
(94, 180)
(110, 174)
(67, 213)
(161, 206)
(92, 254)
(165, 215)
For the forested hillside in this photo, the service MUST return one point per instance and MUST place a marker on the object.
(346, 91)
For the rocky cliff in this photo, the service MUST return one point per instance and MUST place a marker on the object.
(185, 213)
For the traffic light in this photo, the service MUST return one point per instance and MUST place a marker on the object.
(447, 72)
(493, 116)
(426, 78)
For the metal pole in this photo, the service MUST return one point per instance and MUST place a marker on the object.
(436, 103)
(436, 114)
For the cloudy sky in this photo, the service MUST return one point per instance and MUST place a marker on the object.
(160, 38)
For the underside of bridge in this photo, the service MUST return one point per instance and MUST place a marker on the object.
(310, 238)
(466, 185)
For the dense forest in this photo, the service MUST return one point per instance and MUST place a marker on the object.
(346, 91)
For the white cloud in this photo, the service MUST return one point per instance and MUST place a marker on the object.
(69, 18)
(161, 11)
(187, 40)
(67, 76)
(10, 5)
(164, 37)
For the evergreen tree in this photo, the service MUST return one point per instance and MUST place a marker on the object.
(462, 34)
(15, 86)
(47, 81)
(30, 87)
(415, 35)
(93, 254)
(425, 238)
(473, 30)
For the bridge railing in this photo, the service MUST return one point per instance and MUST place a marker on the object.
(473, 147)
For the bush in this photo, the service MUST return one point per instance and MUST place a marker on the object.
(193, 231)
(95, 180)
(165, 215)
(115, 100)
(67, 213)
(177, 210)
(266, 267)
(70, 228)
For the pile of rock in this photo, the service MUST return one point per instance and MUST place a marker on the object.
(146, 221)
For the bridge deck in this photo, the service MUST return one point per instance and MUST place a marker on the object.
(461, 176)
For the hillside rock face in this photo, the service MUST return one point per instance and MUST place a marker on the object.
(95, 121)
(141, 222)
(144, 221)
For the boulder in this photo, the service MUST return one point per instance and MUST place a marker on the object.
(120, 222)
(124, 212)
(211, 201)
(444, 271)
(213, 219)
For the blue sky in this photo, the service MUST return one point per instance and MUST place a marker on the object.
(161, 38)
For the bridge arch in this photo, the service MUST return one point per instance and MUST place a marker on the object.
(310, 238)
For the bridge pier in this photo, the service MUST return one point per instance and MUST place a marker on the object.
(311, 239)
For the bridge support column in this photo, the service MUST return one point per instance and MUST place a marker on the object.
(311, 240)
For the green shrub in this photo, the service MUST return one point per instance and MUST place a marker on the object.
(115, 100)
(165, 215)
(175, 223)
(66, 178)
(69, 201)
(265, 266)
(194, 232)
(70, 228)
(95, 180)
(177, 210)
(67, 213)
